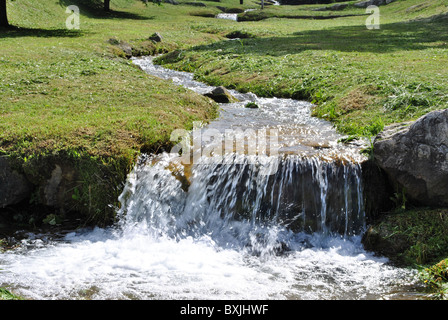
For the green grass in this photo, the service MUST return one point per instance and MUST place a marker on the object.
(358, 78)
(66, 96)
(416, 238)
(7, 295)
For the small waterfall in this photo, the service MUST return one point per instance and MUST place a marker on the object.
(311, 184)
(234, 201)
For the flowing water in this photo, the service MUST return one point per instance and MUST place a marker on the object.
(227, 16)
(234, 16)
(220, 222)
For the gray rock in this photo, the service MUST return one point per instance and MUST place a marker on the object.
(377, 191)
(415, 158)
(251, 105)
(124, 46)
(52, 186)
(221, 95)
(14, 187)
(156, 37)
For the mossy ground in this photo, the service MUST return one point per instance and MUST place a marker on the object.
(417, 238)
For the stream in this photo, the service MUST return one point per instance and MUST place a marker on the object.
(262, 203)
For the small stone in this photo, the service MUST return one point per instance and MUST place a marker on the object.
(221, 95)
(251, 105)
(156, 37)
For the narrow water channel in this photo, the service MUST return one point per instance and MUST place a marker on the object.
(216, 223)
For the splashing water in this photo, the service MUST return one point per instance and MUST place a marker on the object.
(221, 229)
(176, 244)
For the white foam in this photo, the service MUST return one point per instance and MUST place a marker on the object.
(104, 265)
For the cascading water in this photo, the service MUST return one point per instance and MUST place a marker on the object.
(229, 225)
(239, 206)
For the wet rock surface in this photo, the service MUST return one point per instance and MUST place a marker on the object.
(221, 95)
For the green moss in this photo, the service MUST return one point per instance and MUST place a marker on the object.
(411, 237)
(251, 105)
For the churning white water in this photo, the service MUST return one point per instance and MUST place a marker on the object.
(283, 226)
(227, 16)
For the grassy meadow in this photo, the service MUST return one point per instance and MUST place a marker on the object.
(71, 95)
(358, 78)
(67, 89)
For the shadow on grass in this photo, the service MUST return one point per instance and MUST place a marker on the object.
(95, 9)
(413, 35)
(17, 32)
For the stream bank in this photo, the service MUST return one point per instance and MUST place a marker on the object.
(73, 168)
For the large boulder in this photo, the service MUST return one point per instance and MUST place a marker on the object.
(415, 158)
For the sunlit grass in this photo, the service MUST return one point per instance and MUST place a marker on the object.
(398, 72)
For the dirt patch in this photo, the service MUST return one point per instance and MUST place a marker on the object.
(356, 99)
